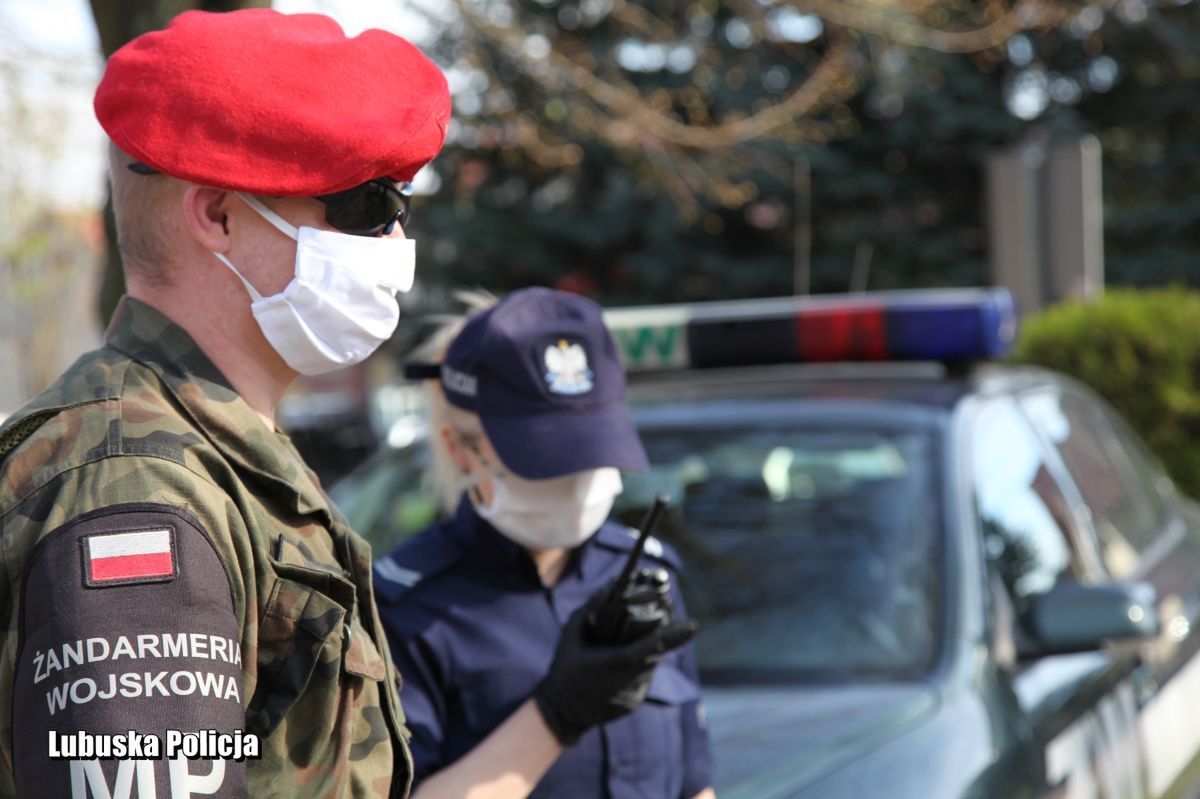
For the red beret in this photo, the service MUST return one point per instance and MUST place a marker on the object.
(274, 104)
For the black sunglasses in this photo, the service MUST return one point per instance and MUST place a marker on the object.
(369, 209)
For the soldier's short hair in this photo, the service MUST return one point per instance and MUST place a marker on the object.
(140, 207)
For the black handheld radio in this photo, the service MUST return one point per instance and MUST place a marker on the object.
(639, 602)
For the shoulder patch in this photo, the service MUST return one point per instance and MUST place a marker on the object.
(128, 557)
(622, 539)
(127, 631)
(653, 546)
(388, 569)
(413, 562)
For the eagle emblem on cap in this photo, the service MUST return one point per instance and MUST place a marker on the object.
(567, 369)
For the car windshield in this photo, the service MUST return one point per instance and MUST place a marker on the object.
(808, 553)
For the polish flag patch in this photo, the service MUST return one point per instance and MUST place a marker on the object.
(144, 556)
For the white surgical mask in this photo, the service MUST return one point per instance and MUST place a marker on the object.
(341, 304)
(559, 513)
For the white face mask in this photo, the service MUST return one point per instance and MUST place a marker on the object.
(559, 513)
(341, 304)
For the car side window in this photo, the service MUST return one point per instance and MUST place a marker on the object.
(1127, 509)
(1159, 490)
(1023, 514)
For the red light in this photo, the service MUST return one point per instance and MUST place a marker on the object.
(858, 334)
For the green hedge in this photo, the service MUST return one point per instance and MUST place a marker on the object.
(1140, 350)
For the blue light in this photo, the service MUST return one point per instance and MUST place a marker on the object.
(951, 327)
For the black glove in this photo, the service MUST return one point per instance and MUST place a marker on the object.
(593, 683)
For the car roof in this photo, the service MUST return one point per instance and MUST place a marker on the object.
(879, 393)
(930, 385)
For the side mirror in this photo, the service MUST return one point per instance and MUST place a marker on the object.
(1078, 618)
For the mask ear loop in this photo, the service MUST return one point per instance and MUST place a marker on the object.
(485, 462)
(469, 485)
(254, 295)
(278, 222)
(282, 225)
(470, 482)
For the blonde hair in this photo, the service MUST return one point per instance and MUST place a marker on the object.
(139, 202)
(442, 475)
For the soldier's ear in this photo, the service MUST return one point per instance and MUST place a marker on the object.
(205, 210)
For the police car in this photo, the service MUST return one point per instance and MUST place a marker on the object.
(921, 574)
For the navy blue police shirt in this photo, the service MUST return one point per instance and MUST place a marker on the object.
(473, 631)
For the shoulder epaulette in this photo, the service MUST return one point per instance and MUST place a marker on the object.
(621, 538)
(415, 561)
(13, 434)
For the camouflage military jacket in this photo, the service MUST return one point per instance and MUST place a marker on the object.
(173, 573)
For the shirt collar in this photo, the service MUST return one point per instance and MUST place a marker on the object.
(150, 338)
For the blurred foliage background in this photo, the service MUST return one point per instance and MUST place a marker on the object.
(679, 150)
(1140, 350)
(675, 150)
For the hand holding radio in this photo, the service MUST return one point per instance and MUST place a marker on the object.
(610, 647)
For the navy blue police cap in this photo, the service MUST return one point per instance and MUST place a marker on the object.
(541, 371)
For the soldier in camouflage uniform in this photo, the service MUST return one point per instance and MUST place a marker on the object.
(187, 613)
(145, 434)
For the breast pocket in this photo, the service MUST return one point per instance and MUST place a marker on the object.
(670, 686)
(313, 654)
(648, 744)
(299, 635)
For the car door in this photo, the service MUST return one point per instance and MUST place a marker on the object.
(1078, 709)
(1143, 533)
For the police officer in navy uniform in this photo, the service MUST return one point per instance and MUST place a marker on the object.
(529, 415)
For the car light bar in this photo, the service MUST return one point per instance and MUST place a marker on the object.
(949, 325)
